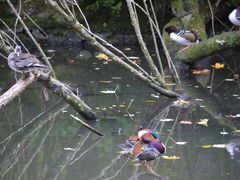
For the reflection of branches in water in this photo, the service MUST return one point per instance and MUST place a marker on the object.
(173, 126)
(12, 145)
(37, 150)
(84, 152)
(103, 171)
(120, 169)
(7, 117)
(150, 171)
(66, 157)
(78, 148)
(134, 173)
(11, 162)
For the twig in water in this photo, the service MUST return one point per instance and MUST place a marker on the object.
(129, 107)
(173, 126)
(87, 125)
(211, 86)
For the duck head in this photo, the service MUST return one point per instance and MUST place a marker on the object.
(171, 29)
(17, 50)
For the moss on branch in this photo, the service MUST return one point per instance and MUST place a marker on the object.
(210, 46)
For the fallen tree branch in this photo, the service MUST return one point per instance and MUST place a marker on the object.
(55, 86)
(66, 93)
(16, 90)
(210, 46)
(87, 125)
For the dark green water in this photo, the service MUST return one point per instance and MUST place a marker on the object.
(39, 139)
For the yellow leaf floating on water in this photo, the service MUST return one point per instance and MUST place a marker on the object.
(206, 146)
(204, 71)
(203, 122)
(102, 56)
(150, 101)
(214, 146)
(218, 66)
(171, 157)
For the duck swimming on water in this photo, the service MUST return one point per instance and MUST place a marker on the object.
(145, 146)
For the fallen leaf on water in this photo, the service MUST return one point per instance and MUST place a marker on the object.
(127, 49)
(224, 132)
(219, 145)
(155, 95)
(214, 146)
(218, 66)
(102, 56)
(185, 122)
(206, 146)
(198, 99)
(204, 71)
(236, 131)
(116, 77)
(166, 120)
(151, 101)
(110, 91)
(203, 122)
(69, 149)
(181, 143)
(51, 50)
(107, 82)
(229, 80)
(133, 57)
(171, 157)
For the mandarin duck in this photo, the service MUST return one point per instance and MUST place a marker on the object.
(24, 62)
(183, 37)
(145, 146)
(234, 16)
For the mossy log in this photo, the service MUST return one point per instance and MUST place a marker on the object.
(210, 46)
(65, 92)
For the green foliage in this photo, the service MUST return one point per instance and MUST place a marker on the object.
(114, 5)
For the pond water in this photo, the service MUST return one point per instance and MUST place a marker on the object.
(40, 140)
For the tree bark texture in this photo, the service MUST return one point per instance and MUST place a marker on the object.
(210, 46)
(66, 93)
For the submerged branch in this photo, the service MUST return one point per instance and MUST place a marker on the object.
(210, 46)
(87, 125)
